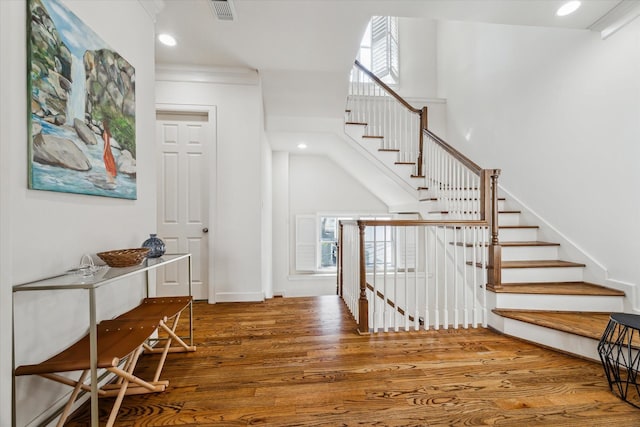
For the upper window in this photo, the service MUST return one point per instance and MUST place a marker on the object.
(379, 48)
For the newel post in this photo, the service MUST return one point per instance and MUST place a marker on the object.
(495, 250)
(424, 123)
(363, 303)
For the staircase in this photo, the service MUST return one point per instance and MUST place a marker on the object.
(543, 299)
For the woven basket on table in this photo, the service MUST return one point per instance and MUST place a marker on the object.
(124, 257)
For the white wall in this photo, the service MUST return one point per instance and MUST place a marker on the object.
(238, 222)
(311, 184)
(12, 53)
(267, 215)
(45, 233)
(559, 112)
(418, 58)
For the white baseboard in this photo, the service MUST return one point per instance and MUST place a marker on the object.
(239, 297)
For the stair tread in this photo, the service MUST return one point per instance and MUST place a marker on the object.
(446, 212)
(513, 227)
(373, 136)
(586, 324)
(391, 150)
(528, 243)
(405, 163)
(435, 199)
(540, 264)
(356, 123)
(510, 244)
(557, 288)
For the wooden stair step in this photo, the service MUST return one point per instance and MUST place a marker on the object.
(514, 227)
(356, 123)
(509, 244)
(423, 188)
(373, 136)
(528, 243)
(435, 199)
(551, 263)
(446, 212)
(585, 324)
(405, 163)
(556, 288)
(417, 176)
(391, 150)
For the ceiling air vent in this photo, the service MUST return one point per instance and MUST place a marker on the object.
(223, 9)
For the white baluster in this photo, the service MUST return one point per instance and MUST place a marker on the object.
(455, 279)
(426, 232)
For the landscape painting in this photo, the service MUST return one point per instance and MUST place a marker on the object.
(82, 136)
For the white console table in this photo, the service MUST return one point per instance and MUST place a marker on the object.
(103, 277)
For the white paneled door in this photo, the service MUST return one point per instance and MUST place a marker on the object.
(185, 140)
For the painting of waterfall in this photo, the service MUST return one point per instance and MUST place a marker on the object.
(82, 130)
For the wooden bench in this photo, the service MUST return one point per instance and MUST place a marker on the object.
(118, 340)
(162, 310)
(124, 338)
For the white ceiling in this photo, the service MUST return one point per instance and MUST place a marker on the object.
(322, 35)
(303, 49)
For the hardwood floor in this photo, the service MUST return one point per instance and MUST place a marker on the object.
(299, 362)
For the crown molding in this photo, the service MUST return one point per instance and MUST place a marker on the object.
(152, 7)
(616, 18)
(200, 74)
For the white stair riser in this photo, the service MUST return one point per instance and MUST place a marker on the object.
(529, 253)
(546, 274)
(509, 219)
(387, 158)
(591, 303)
(520, 253)
(564, 341)
(354, 131)
(518, 234)
(427, 193)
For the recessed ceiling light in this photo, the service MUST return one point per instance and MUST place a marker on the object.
(302, 146)
(568, 8)
(167, 39)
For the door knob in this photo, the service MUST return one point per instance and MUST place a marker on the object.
(205, 230)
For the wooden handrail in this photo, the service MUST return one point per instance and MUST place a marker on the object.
(423, 124)
(425, 222)
(387, 88)
(455, 153)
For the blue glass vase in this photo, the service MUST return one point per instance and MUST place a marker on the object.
(155, 245)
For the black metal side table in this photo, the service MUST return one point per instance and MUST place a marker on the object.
(619, 351)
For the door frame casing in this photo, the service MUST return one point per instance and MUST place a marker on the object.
(212, 150)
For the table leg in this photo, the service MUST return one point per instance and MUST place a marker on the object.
(93, 357)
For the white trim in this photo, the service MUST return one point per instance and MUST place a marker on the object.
(200, 74)
(211, 111)
(621, 15)
(239, 297)
(152, 7)
(594, 263)
(631, 291)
